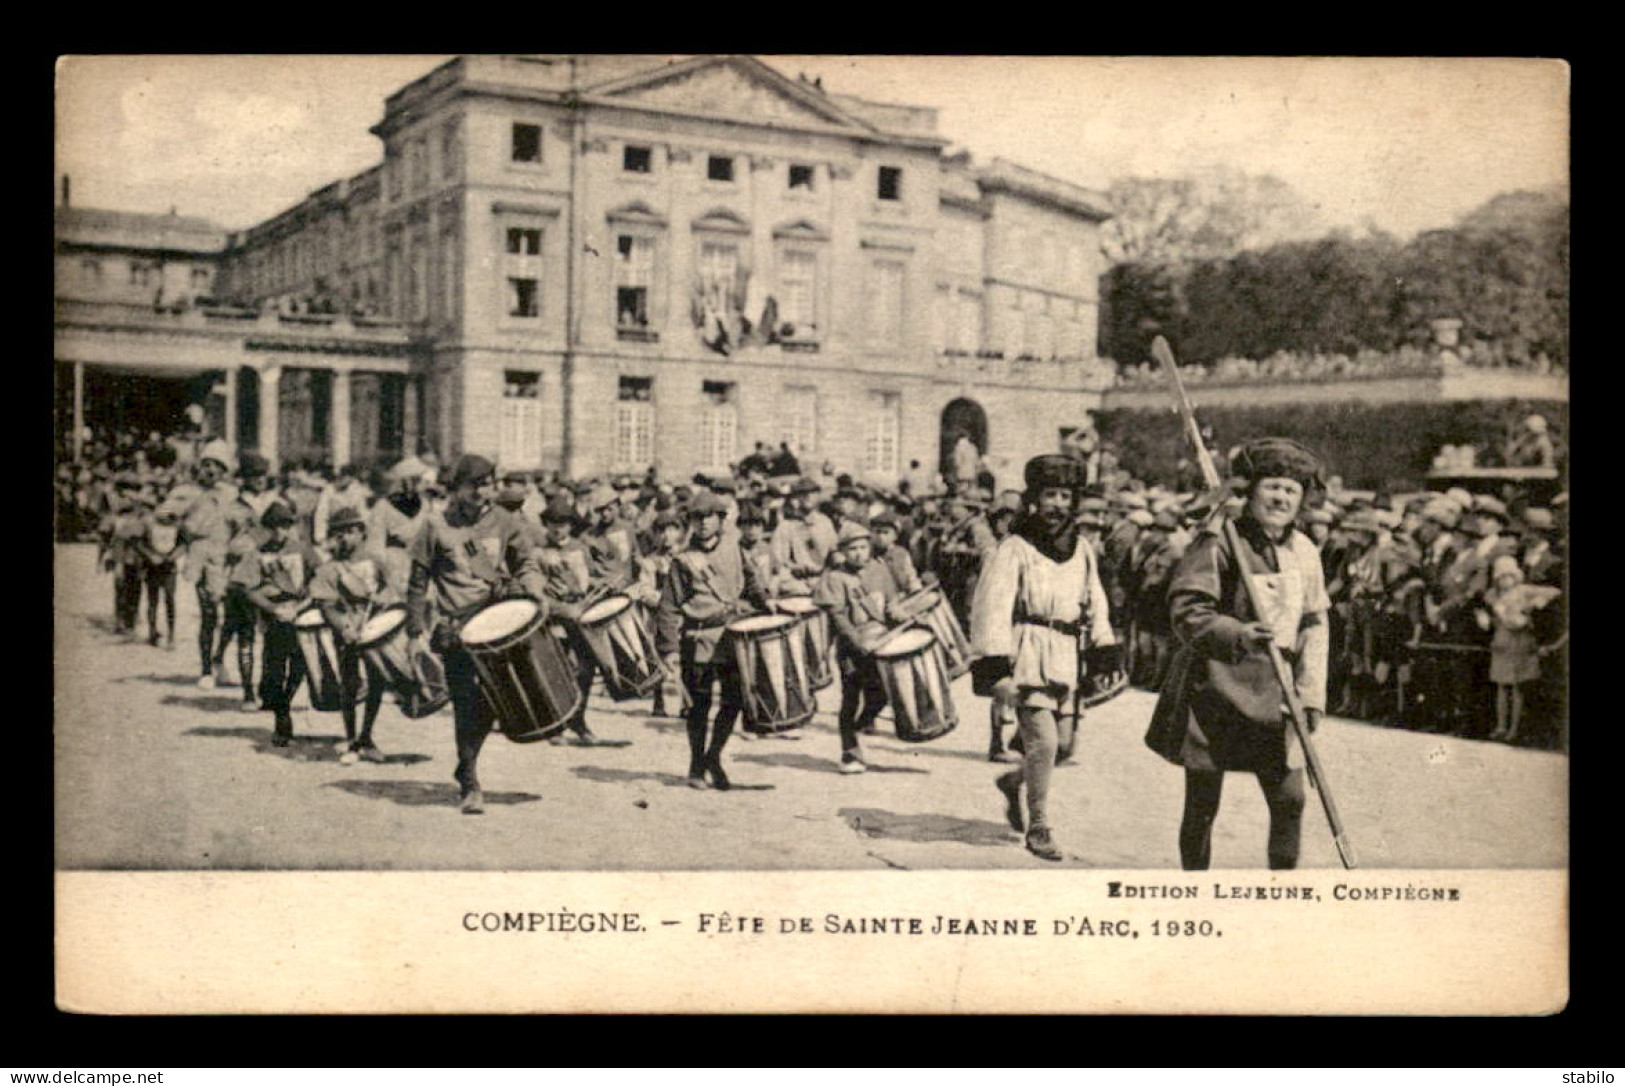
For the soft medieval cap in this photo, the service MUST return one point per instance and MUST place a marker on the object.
(852, 531)
(470, 468)
(560, 510)
(706, 504)
(346, 517)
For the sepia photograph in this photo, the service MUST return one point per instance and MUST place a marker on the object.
(653, 499)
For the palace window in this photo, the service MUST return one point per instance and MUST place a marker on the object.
(521, 437)
(800, 415)
(524, 297)
(890, 184)
(523, 271)
(719, 168)
(801, 177)
(634, 423)
(634, 279)
(523, 241)
(526, 144)
(719, 272)
(967, 322)
(719, 424)
(886, 301)
(636, 159)
(798, 290)
(885, 427)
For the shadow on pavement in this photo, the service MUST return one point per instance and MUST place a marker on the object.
(603, 775)
(208, 703)
(792, 761)
(926, 828)
(153, 677)
(882, 767)
(665, 725)
(425, 793)
(302, 748)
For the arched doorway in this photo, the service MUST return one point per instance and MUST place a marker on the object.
(961, 418)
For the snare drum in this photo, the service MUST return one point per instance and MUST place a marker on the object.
(771, 651)
(523, 675)
(915, 677)
(418, 680)
(815, 632)
(321, 655)
(617, 631)
(937, 614)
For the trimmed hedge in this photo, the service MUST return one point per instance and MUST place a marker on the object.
(1373, 447)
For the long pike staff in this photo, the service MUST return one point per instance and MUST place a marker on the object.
(1289, 689)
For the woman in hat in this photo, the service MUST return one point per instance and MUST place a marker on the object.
(1221, 707)
(1038, 602)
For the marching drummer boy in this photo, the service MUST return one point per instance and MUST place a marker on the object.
(350, 588)
(274, 578)
(860, 595)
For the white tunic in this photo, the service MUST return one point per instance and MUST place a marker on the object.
(1019, 581)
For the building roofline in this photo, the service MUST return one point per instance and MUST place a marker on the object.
(1002, 175)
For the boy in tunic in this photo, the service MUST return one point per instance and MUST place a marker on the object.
(350, 588)
(860, 596)
(472, 554)
(1038, 605)
(711, 585)
(275, 579)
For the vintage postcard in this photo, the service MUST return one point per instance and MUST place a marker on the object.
(724, 533)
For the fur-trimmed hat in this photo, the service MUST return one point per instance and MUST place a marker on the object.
(1277, 458)
(1053, 470)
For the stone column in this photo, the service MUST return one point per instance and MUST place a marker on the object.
(78, 405)
(338, 426)
(411, 416)
(270, 405)
(231, 407)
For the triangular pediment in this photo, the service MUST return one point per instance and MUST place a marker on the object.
(734, 87)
